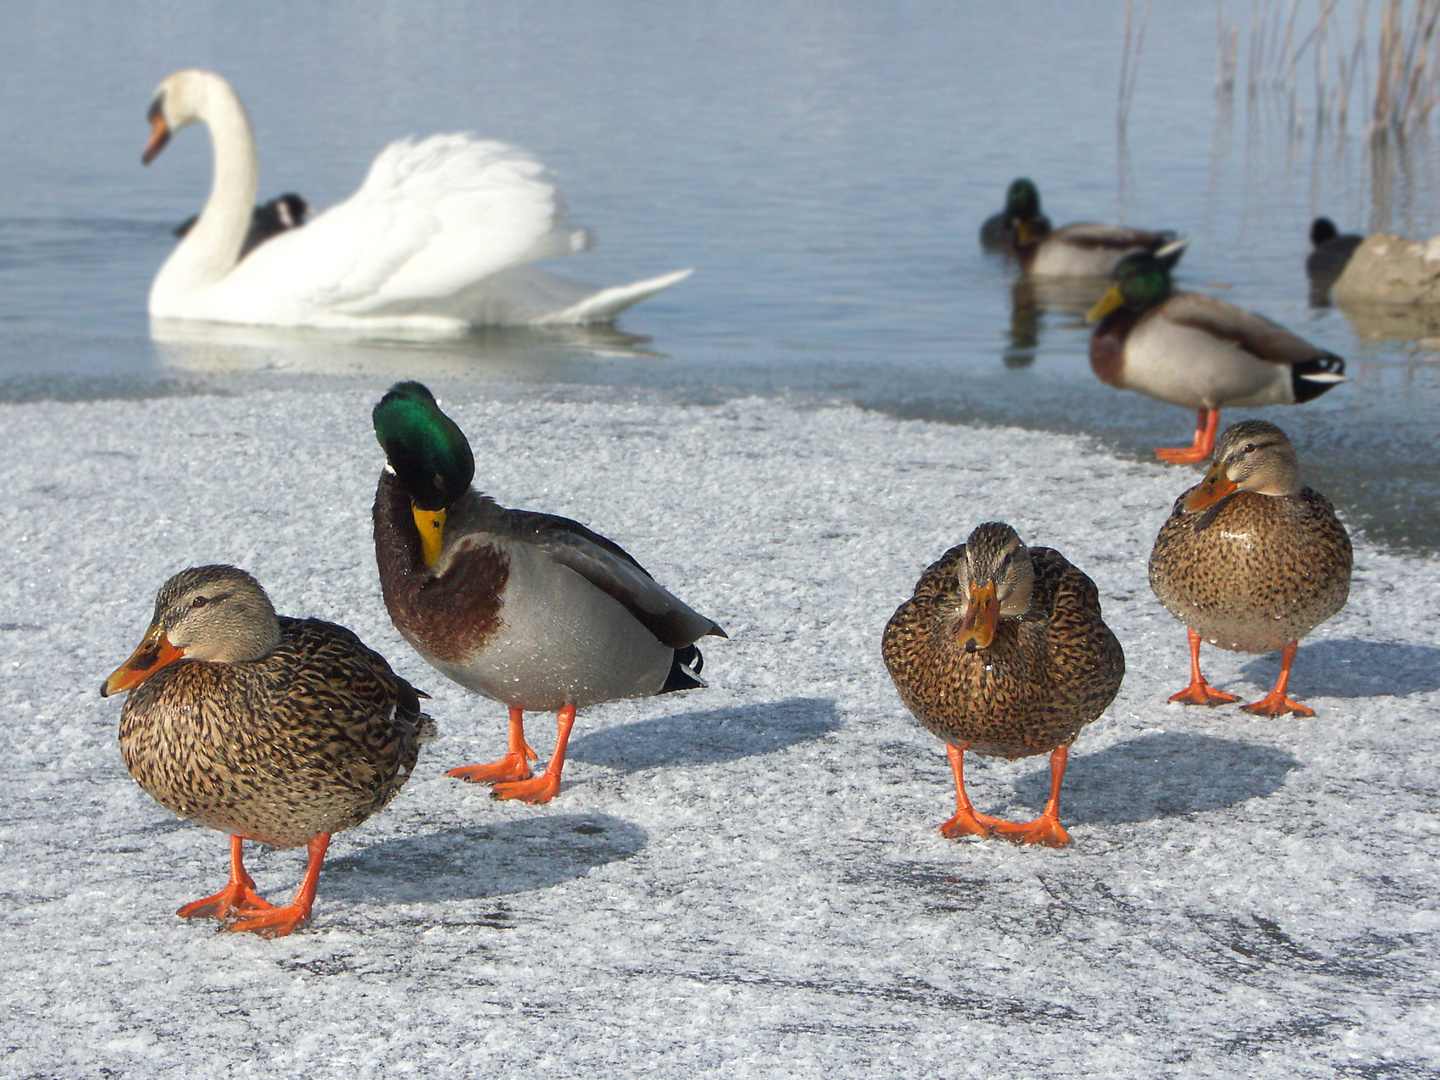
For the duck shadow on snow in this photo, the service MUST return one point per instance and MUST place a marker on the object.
(1349, 668)
(477, 862)
(707, 738)
(1162, 775)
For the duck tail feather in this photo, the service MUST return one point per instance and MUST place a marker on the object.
(685, 671)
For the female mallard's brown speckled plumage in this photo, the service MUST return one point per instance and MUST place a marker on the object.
(1250, 560)
(267, 728)
(1023, 679)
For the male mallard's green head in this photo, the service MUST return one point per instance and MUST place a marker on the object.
(1022, 209)
(1138, 282)
(429, 454)
(1022, 200)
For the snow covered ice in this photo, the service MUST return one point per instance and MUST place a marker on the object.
(739, 881)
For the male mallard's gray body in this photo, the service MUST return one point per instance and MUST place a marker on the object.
(558, 615)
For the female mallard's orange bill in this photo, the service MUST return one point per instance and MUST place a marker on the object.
(977, 628)
(1211, 490)
(153, 654)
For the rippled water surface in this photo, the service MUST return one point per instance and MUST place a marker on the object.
(823, 167)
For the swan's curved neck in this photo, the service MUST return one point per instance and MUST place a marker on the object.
(212, 247)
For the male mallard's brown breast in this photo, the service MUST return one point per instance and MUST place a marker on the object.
(1254, 572)
(448, 618)
(313, 738)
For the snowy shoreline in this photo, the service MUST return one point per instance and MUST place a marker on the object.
(745, 879)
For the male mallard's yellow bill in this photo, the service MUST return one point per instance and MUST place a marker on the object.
(1211, 490)
(1112, 299)
(153, 654)
(977, 628)
(1023, 233)
(431, 524)
(159, 136)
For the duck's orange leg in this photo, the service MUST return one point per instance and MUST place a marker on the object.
(238, 894)
(1199, 692)
(1276, 703)
(1207, 423)
(515, 765)
(1046, 829)
(966, 821)
(543, 787)
(272, 922)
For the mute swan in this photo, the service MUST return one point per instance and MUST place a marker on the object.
(436, 240)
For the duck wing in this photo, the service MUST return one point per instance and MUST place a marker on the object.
(610, 568)
(432, 218)
(1257, 335)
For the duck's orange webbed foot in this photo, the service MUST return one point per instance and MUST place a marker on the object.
(511, 767)
(1276, 703)
(1273, 704)
(1045, 830)
(1207, 423)
(967, 822)
(272, 922)
(540, 789)
(515, 765)
(238, 894)
(1202, 693)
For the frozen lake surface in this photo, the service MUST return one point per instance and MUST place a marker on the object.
(743, 880)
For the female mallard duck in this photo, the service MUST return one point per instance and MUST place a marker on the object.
(267, 728)
(1250, 560)
(1002, 650)
(1330, 252)
(1200, 352)
(529, 609)
(1084, 249)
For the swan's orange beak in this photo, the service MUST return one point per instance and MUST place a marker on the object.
(153, 654)
(159, 135)
(1211, 490)
(982, 614)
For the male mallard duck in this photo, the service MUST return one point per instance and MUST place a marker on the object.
(1250, 560)
(1197, 351)
(1084, 249)
(1002, 650)
(267, 728)
(1330, 251)
(287, 212)
(1022, 203)
(529, 609)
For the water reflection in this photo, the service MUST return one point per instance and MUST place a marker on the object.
(523, 353)
(1032, 300)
